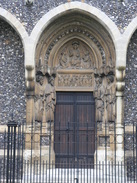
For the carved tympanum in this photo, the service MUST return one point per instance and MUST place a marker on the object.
(75, 55)
(75, 80)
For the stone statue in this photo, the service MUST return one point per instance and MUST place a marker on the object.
(74, 55)
(98, 94)
(50, 99)
(105, 97)
(39, 98)
(111, 99)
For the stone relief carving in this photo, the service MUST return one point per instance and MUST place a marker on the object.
(105, 95)
(45, 97)
(50, 99)
(75, 80)
(75, 56)
(71, 31)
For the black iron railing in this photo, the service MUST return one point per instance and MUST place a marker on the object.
(25, 156)
(33, 173)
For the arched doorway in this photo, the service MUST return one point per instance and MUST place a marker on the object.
(76, 55)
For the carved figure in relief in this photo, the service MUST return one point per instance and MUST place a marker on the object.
(86, 61)
(50, 99)
(74, 55)
(64, 60)
(75, 80)
(111, 99)
(99, 89)
(105, 97)
(39, 98)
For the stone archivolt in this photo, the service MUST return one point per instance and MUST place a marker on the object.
(71, 31)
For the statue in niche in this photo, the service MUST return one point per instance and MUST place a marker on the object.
(105, 97)
(39, 98)
(50, 99)
(99, 90)
(111, 99)
(74, 55)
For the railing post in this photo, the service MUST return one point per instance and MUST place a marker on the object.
(11, 151)
(136, 152)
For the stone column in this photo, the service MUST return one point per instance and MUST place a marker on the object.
(29, 110)
(120, 85)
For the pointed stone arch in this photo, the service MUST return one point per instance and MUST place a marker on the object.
(91, 11)
(14, 22)
(132, 27)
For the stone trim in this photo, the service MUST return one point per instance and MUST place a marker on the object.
(19, 28)
(126, 38)
(14, 22)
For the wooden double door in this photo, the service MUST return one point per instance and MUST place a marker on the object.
(74, 129)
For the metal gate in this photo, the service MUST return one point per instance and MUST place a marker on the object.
(34, 156)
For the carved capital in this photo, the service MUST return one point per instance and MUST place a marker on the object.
(30, 84)
(120, 77)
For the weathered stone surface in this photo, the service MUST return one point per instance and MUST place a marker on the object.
(12, 75)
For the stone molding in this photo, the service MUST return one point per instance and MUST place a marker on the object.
(19, 28)
(131, 28)
(14, 22)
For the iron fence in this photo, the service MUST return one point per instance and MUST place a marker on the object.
(26, 156)
(48, 173)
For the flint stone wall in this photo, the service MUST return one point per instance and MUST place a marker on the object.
(130, 94)
(12, 75)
